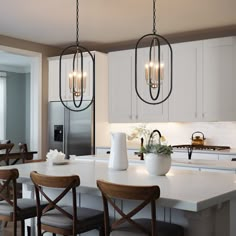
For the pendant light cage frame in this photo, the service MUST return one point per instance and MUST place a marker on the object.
(155, 41)
(78, 53)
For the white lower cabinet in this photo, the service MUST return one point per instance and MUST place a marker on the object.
(217, 170)
(204, 156)
(195, 156)
(226, 157)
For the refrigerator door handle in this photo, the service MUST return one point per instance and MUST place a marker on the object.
(66, 130)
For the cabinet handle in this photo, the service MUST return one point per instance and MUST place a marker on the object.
(130, 117)
(195, 114)
(203, 115)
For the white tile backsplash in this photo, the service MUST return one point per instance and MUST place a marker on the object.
(216, 133)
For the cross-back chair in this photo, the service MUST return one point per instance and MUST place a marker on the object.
(11, 208)
(63, 219)
(6, 148)
(127, 224)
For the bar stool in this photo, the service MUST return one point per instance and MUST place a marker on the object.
(11, 208)
(5, 149)
(64, 219)
(126, 224)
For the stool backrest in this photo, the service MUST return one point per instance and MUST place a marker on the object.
(7, 147)
(8, 180)
(145, 194)
(23, 147)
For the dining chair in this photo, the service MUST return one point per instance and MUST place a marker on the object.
(5, 150)
(23, 148)
(11, 208)
(126, 224)
(59, 218)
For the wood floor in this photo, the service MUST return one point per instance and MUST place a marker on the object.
(8, 231)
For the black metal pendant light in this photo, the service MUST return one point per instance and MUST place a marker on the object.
(77, 78)
(154, 69)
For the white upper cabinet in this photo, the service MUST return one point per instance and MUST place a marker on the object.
(185, 100)
(124, 104)
(121, 104)
(203, 84)
(147, 112)
(66, 68)
(218, 88)
(53, 80)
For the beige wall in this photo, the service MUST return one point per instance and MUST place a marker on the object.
(46, 51)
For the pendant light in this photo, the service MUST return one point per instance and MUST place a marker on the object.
(76, 79)
(154, 70)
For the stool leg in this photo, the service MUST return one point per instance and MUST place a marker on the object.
(22, 228)
(28, 231)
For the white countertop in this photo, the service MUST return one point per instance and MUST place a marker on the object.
(181, 189)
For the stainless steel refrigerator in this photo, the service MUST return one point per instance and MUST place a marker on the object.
(73, 133)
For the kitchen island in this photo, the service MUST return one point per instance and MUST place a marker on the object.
(203, 202)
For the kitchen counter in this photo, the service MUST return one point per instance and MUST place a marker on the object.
(195, 197)
(175, 189)
(231, 151)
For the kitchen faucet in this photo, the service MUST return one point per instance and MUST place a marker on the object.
(151, 136)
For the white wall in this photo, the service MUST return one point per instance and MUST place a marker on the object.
(216, 133)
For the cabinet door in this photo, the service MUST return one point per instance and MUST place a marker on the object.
(121, 108)
(147, 112)
(187, 75)
(67, 67)
(53, 80)
(218, 76)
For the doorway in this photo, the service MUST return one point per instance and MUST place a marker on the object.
(33, 63)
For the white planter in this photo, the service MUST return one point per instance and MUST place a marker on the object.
(157, 164)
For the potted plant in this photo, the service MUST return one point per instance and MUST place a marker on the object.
(157, 155)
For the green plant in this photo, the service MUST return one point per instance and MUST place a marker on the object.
(157, 149)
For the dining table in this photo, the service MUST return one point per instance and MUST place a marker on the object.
(15, 156)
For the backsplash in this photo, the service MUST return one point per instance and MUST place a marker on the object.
(216, 133)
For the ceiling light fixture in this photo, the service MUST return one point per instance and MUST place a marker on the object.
(155, 71)
(76, 79)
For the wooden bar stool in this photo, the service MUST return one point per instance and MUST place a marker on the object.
(11, 208)
(6, 148)
(126, 224)
(61, 219)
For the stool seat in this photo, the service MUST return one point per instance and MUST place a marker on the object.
(86, 218)
(163, 229)
(26, 208)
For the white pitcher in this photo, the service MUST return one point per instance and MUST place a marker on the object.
(118, 155)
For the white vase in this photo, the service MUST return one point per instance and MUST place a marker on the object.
(157, 164)
(118, 156)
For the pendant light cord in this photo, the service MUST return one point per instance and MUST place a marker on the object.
(154, 16)
(77, 22)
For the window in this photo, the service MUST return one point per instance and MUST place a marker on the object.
(2, 105)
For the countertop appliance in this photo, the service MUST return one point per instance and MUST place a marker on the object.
(198, 139)
(73, 133)
(191, 147)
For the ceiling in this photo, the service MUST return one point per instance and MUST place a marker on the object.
(52, 22)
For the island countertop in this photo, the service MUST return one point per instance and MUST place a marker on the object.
(180, 189)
